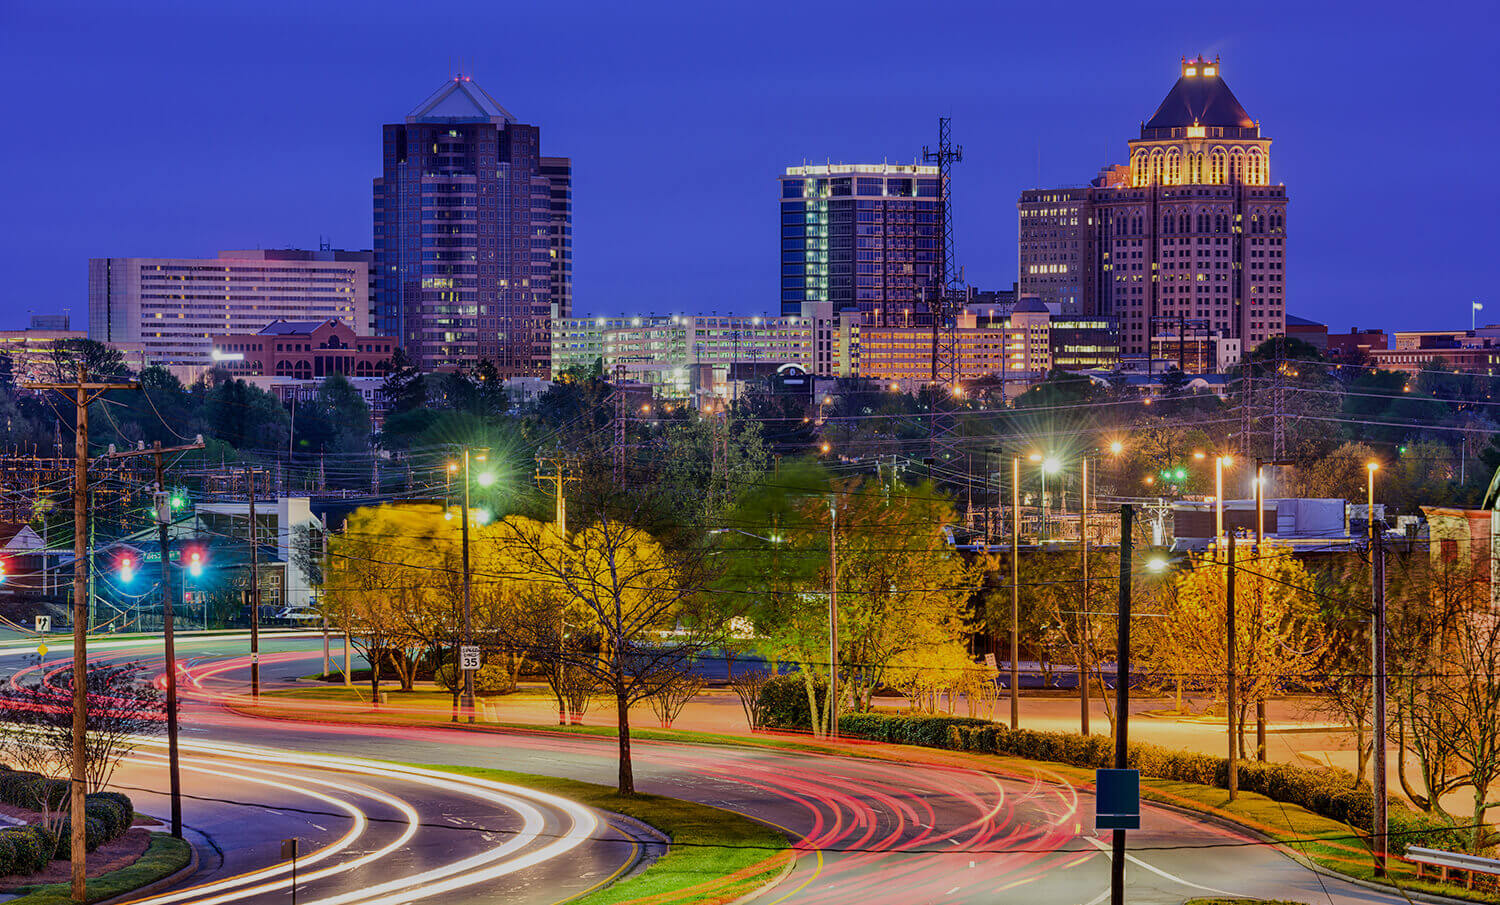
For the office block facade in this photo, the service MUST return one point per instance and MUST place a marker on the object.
(172, 308)
(858, 236)
(473, 235)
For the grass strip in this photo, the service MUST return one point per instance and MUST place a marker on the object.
(721, 854)
(163, 857)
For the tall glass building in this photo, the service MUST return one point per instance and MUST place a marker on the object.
(473, 235)
(858, 236)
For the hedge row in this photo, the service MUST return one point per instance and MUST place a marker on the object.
(1330, 793)
(24, 850)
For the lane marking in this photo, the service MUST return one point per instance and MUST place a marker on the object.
(1156, 870)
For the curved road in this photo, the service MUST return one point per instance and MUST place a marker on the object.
(869, 831)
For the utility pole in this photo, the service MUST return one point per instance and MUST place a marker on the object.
(559, 479)
(468, 698)
(1083, 617)
(163, 501)
(833, 619)
(1015, 592)
(620, 414)
(1377, 643)
(1234, 775)
(84, 392)
(254, 589)
(1122, 698)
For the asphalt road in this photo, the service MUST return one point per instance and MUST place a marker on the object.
(869, 831)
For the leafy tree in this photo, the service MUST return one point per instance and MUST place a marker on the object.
(245, 416)
(1060, 388)
(404, 387)
(1341, 473)
(1278, 638)
(336, 421)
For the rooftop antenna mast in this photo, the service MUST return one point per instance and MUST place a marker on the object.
(947, 298)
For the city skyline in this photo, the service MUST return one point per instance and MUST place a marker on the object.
(728, 123)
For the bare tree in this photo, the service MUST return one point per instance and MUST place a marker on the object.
(673, 695)
(644, 602)
(123, 706)
(748, 687)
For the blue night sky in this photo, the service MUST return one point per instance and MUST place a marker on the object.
(176, 129)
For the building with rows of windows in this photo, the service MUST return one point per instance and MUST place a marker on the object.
(170, 309)
(473, 235)
(861, 236)
(1190, 235)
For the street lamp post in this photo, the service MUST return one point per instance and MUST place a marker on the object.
(1219, 463)
(1370, 469)
(1015, 592)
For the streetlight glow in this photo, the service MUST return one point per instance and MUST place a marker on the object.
(1373, 466)
(486, 478)
(1034, 457)
(1116, 447)
(1156, 564)
(1051, 466)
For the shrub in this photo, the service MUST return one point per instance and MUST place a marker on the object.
(31, 846)
(784, 702)
(7, 856)
(95, 834)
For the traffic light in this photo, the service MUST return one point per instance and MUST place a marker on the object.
(126, 567)
(4, 571)
(195, 563)
(179, 499)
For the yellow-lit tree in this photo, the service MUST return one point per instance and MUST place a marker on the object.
(1278, 637)
(643, 603)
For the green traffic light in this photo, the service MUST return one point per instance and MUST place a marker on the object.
(178, 501)
(1181, 473)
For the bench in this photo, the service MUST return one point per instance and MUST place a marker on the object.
(1472, 869)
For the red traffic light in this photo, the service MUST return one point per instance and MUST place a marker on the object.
(195, 562)
(127, 568)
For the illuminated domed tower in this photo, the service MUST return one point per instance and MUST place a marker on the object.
(1200, 135)
(1188, 238)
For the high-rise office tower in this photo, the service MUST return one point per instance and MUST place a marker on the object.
(858, 236)
(467, 225)
(1189, 237)
(559, 173)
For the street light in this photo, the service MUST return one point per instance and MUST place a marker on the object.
(1219, 463)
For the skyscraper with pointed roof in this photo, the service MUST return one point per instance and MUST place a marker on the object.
(1189, 236)
(466, 234)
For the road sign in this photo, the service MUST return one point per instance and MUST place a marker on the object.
(990, 664)
(468, 656)
(41, 650)
(43, 624)
(1117, 800)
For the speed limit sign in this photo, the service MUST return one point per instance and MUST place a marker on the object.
(468, 656)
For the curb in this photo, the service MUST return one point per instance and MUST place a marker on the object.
(158, 885)
(786, 869)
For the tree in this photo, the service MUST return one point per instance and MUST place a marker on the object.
(336, 422)
(123, 706)
(1445, 658)
(1278, 638)
(245, 416)
(644, 602)
(1342, 473)
(404, 387)
(381, 584)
